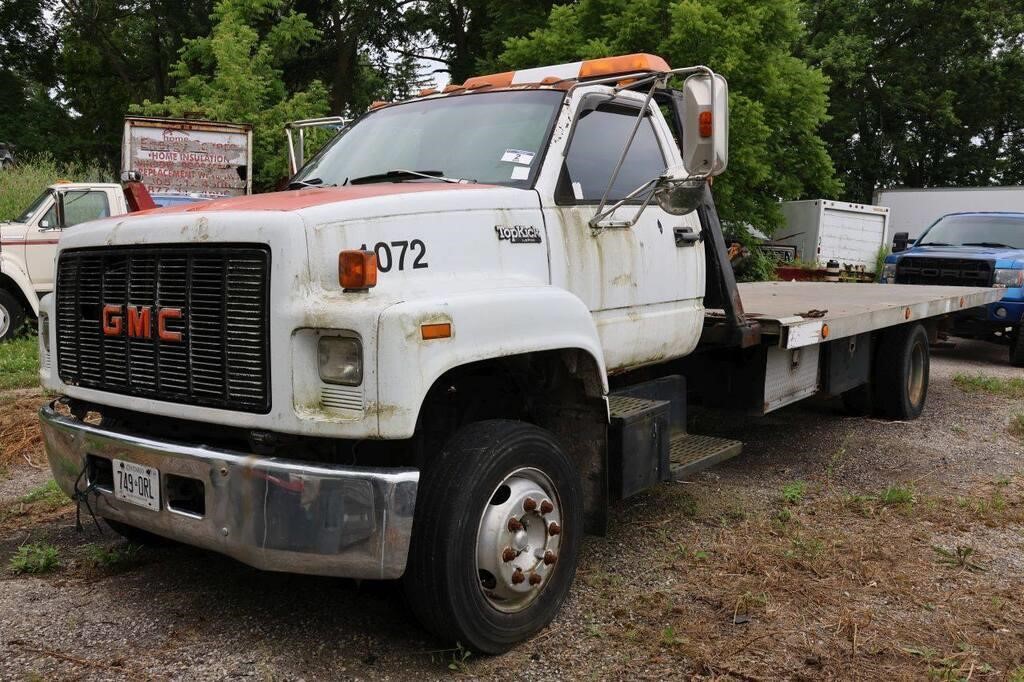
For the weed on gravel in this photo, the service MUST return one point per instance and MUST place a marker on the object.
(34, 558)
(110, 558)
(1016, 427)
(1001, 386)
(20, 439)
(848, 583)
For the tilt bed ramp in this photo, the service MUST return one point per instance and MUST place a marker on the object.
(815, 337)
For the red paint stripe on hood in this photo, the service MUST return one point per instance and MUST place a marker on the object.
(314, 196)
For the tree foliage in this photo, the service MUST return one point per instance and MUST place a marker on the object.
(235, 74)
(777, 102)
(926, 93)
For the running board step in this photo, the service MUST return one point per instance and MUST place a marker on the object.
(690, 453)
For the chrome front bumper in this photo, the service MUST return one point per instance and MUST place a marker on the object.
(271, 513)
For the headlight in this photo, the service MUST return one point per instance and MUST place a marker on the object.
(1007, 278)
(888, 273)
(341, 360)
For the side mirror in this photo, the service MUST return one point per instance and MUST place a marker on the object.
(677, 193)
(44, 224)
(900, 241)
(705, 123)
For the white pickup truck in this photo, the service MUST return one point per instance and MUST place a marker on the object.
(477, 319)
(28, 244)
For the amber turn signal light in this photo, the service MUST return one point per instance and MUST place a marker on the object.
(357, 269)
(441, 330)
(704, 121)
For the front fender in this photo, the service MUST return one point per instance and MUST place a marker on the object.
(485, 324)
(12, 267)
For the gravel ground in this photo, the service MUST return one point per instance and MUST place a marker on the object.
(712, 577)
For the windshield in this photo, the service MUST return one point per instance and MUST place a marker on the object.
(996, 231)
(493, 138)
(33, 207)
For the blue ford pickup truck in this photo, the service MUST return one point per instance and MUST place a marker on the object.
(970, 249)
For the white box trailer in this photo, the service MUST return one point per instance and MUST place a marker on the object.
(913, 210)
(824, 230)
(189, 156)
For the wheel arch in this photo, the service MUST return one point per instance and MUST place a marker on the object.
(16, 282)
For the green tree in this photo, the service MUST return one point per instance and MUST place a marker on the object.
(777, 102)
(465, 37)
(926, 93)
(235, 75)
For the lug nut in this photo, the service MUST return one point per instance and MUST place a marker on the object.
(549, 557)
(514, 525)
(517, 576)
(554, 528)
(546, 507)
(529, 504)
(535, 579)
(508, 554)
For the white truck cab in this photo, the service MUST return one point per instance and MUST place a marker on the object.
(477, 317)
(28, 244)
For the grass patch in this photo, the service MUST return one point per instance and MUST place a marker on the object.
(35, 558)
(48, 495)
(898, 495)
(19, 363)
(978, 383)
(793, 493)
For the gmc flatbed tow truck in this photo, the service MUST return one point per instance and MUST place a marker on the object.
(477, 317)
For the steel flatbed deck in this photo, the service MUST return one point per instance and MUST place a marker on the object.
(805, 313)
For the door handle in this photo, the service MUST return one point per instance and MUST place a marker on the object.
(685, 236)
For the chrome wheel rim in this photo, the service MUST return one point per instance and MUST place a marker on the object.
(5, 321)
(518, 540)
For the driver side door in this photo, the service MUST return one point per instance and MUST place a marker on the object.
(643, 286)
(79, 206)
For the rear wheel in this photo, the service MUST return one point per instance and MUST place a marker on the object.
(12, 315)
(496, 534)
(900, 375)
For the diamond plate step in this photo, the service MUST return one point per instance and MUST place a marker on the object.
(690, 453)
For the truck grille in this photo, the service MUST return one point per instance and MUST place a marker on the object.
(947, 271)
(180, 324)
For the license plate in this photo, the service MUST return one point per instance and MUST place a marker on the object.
(137, 483)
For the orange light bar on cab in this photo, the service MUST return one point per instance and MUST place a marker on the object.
(494, 80)
(357, 269)
(627, 63)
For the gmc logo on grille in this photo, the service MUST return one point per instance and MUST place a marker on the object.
(138, 322)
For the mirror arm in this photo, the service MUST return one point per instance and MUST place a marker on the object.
(595, 222)
(625, 150)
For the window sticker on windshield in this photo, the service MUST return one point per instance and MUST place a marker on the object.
(517, 156)
(520, 172)
(577, 190)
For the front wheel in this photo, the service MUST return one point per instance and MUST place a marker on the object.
(1017, 347)
(12, 315)
(495, 537)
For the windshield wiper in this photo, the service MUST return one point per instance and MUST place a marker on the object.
(312, 182)
(400, 174)
(994, 245)
(933, 244)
